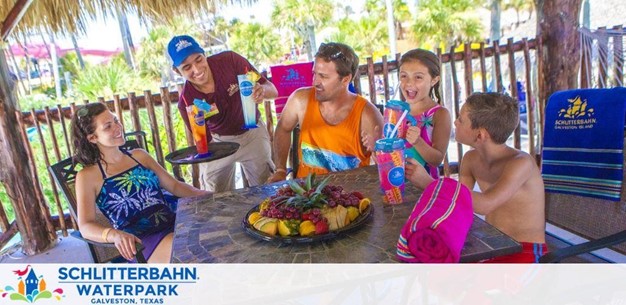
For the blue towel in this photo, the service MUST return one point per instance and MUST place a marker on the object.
(584, 142)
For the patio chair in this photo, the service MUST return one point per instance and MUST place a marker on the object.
(587, 212)
(64, 174)
(293, 152)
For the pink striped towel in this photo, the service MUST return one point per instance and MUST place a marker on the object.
(438, 225)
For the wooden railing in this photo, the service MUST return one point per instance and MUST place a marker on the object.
(497, 64)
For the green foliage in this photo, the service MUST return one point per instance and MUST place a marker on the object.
(4, 201)
(152, 59)
(378, 8)
(446, 22)
(107, 80)
(257, 43)
(296, 15)
(69, 63)
(367, 36)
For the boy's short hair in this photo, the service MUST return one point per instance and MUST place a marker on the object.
(497, 113)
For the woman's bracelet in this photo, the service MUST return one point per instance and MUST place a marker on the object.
(105, 234)
(280, 170)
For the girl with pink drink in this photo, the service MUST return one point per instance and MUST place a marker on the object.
(420, 76)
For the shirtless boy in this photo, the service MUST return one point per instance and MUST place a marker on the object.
(512, 193)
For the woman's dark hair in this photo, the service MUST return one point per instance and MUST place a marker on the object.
(85, 152)
(431, 61)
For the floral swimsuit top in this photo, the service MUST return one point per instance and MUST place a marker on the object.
(425, 122)
(134, 202)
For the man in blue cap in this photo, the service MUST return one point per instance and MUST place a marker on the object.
(213, 80)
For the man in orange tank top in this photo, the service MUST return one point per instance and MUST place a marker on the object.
(333, 121)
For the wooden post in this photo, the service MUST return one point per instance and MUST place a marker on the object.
(154, 127)
(169, 129)
(558, 23)
(13, 17)
(457, 97)
(19, 185)
(65, 135)
(618, 58)
(483, 69)
(386, 78)
(119, 111)
(530, 105)
(603, 57)
(397, 89)
(46, 159)
(371, 80)
(134, 111)
(517, 140)
(496, 62)
(585, 65)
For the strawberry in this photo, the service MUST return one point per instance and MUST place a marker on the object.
(321, 227)
(306, 215)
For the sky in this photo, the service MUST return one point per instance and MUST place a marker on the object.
(105, 34)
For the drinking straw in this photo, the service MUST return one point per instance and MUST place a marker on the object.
(395, 128)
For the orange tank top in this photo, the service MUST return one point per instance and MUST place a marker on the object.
(330, 148)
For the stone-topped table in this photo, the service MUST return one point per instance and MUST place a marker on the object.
(209, 230)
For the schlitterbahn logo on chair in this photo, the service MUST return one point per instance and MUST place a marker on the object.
(30, 287)
(577, 115)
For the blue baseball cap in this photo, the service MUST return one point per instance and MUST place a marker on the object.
(180, 47)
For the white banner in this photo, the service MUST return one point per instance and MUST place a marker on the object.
(312, 284)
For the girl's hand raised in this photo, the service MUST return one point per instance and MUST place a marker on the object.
(413, 134)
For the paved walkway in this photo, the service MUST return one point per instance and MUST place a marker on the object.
(67, 250)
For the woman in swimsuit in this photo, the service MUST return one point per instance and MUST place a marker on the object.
(130, 188)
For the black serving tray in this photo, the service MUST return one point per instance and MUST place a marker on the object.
(217, 150)
(357, 223)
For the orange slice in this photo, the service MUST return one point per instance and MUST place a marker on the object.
(363, 204)
(253, 217)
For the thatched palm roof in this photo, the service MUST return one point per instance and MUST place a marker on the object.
(72, 16)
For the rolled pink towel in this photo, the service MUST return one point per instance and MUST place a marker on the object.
(438, 225)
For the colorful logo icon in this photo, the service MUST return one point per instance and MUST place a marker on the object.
(293, 75)
(577, 108)
(30, 287)
(396, 176)
(246, 88)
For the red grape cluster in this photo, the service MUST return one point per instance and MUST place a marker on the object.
(281, 211)
(314, 215)
(283, 191)
(336, 196)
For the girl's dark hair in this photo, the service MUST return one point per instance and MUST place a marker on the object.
(85, 152)
(431, 61)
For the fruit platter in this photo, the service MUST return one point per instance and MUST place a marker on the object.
(304, 211)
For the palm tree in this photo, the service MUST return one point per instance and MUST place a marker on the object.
(257, 43)
(446, 22)
(367, 36)
(302, 17)
(401, 13)
(152, 60)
